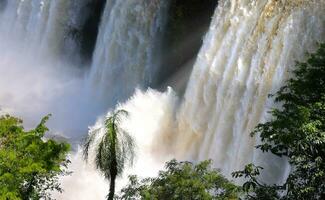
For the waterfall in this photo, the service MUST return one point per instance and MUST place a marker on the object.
(248, 53)
(37, 27)
(126, 48)
(40, 69)
(40, 41)
(125, 58)
(33, 34)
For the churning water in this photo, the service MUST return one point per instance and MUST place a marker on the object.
(248, 53)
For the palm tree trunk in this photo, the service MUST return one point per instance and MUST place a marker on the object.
(113, 170)
(112, 187)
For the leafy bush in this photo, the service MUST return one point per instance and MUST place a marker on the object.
(297, 132)
(182, 180)
(29, 165)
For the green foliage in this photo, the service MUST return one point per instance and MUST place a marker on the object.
(297, 130)
(29, 164)
(182, 180)
(114, 150)
(253, 188)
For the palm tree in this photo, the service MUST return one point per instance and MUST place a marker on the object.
(115, 149)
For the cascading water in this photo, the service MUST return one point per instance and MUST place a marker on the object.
(36, 38)
(40, 40)
(124, 59)
(33, 35)
(38, 27)
(247, 54)
(126, 48)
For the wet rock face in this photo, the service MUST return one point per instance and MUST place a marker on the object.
(186, 16)
(188, 21)
(89, 30)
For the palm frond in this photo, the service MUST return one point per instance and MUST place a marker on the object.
(128, 146)
(100, 159)
(117, 116)
(115, 148)
(86, 147)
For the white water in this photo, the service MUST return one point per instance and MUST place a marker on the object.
(36, 78)
(39, 28)
(246, 55)
(151, 114)
(126, 48)
(38, 51)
